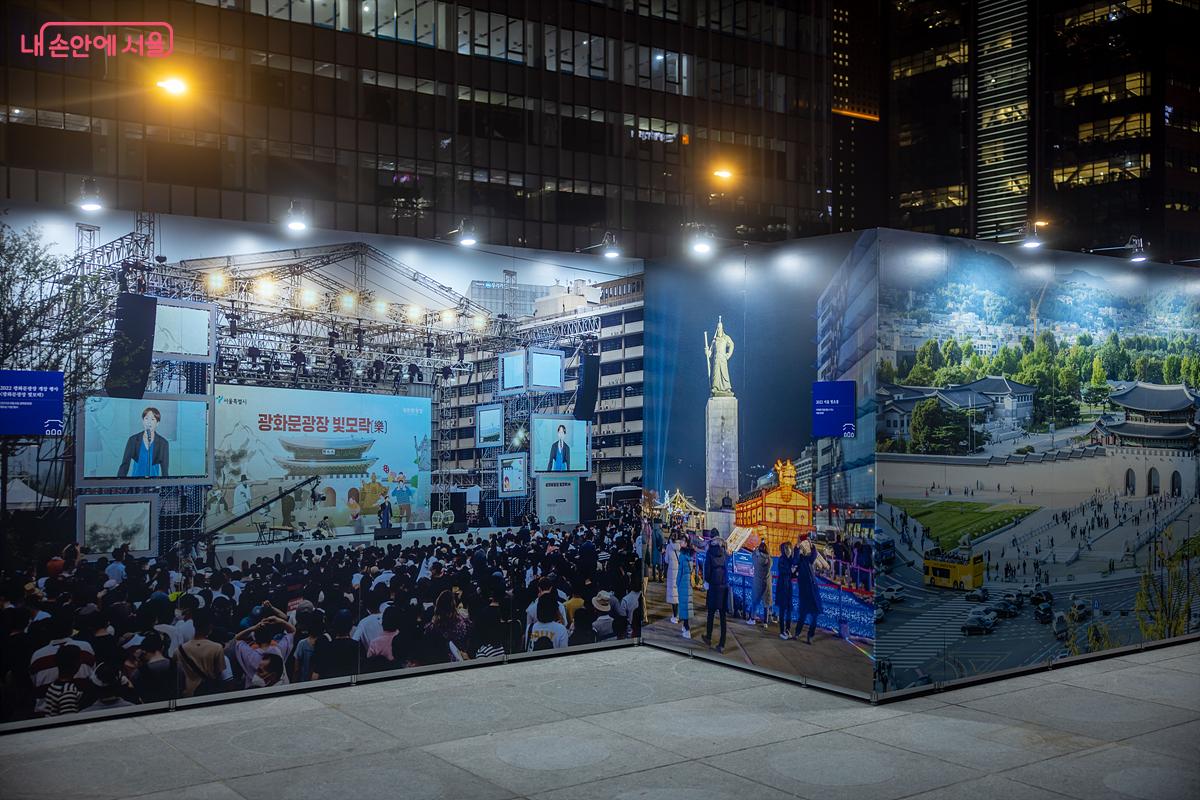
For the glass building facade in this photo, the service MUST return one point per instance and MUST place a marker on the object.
(545, 123)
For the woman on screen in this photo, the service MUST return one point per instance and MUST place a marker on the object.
(149, 452)
(560, 453)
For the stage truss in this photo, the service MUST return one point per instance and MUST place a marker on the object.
(342, 317)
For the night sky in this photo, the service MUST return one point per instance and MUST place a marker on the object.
(771, 315)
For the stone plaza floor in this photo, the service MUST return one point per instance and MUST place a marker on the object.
(647, 724)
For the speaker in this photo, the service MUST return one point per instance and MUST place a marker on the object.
(382, 534)
(133, 346)
(589, 387)
(587, 501)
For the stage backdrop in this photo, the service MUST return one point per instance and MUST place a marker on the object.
(361, 447)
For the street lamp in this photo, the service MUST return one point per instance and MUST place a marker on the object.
(173, 86)
(702, 240)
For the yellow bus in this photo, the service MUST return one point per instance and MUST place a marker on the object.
(949, 571)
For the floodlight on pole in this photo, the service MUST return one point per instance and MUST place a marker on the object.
(1136, 247)
(465, 233)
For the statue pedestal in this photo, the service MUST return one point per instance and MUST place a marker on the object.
(721, 450)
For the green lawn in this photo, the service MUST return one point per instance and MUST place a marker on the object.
(949, 520)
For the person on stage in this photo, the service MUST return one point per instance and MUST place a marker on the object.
(560, 453)
(385, 512)
(149, 452)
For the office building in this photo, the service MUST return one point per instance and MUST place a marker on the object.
(859, 165)
(1082, 115)
(545, 124)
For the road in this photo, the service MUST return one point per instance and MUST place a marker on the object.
(922, 634)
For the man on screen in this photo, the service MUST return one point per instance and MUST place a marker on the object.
(560, 453)
(148, 451)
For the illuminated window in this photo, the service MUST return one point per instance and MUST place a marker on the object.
(1132, 126)
(941, 197)
(1100, 13)
(1118, 168)
(1110, 90)
(929, 60)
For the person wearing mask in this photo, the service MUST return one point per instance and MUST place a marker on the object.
(684, 557)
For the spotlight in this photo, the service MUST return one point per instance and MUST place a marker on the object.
(348, 301)
(264, 287)
(358, 339)
(702, 241)
(381, 308)
(414, 313)
(308, 298)
(413, 372)
(478, 322)
(609, 245)
(465, 233)
(89, 195)
(449, 317)
(1031, 240)
(215, 281)
(1139, 251)
(253, 353)
(296, 220)
(447, 373)
(724, 173)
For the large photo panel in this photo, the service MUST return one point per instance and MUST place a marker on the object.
(1037, 446)
(360, 448)
(755, 518)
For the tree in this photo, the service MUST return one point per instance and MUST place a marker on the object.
(930, 355)
(1172, 368)
(951, 353)
(887, 372)
(1118, 365)
(976, 368)
(968, 349)
(1026, 343)
(1097, 388)
(1047, 341)
(935, 430)
(1006, 362)
(920, 375)
(1084, 340)
(950, 376)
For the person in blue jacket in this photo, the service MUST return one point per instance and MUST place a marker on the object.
(683, 585)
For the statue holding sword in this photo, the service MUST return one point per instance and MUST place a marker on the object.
(716, 361)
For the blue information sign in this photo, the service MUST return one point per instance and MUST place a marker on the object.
(833, 409)
(31, 403)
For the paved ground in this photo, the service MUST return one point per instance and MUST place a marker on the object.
(647, 724)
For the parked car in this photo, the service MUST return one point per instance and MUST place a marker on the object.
(1043, 613)
(893, 594)
(979, 595)
(1042, 596)
(1005, 609)
(1027, 589)
(978, 624)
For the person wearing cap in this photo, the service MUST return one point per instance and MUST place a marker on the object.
(603, 626)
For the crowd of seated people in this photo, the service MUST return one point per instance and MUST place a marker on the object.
(85, 633)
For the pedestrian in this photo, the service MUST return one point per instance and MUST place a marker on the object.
(684, 558)
(673, 573)
(716, 584)
(762, 575)
(783, 590)
(807, 561)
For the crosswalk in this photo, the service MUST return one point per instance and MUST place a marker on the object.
(913, 643)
